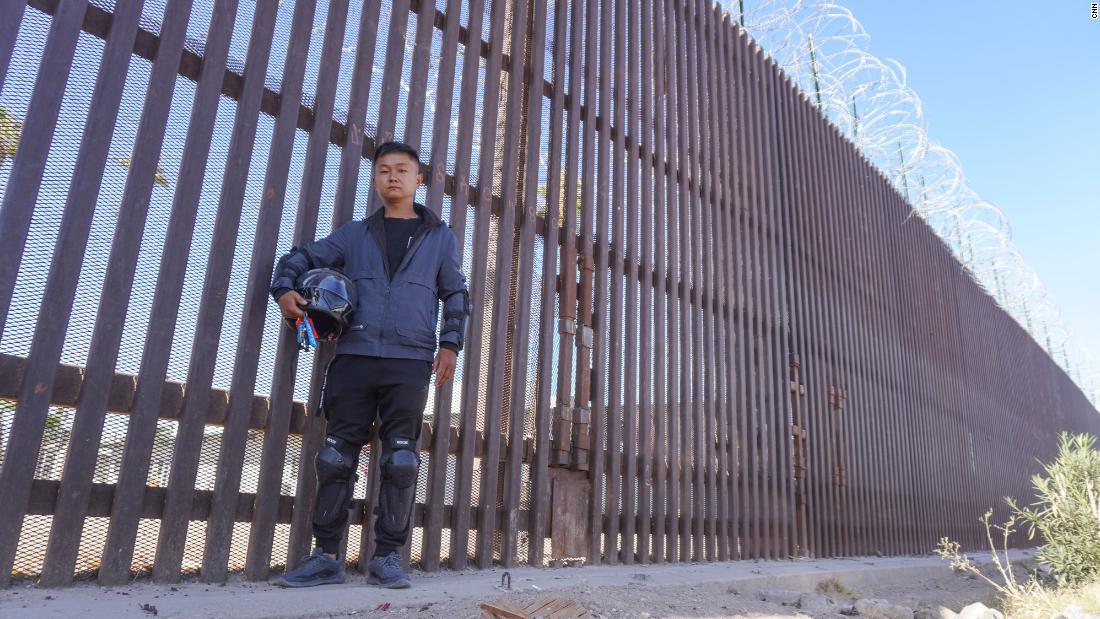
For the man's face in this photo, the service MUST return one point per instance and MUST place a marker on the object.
(396, 177)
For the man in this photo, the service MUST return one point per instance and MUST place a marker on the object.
(403, 260)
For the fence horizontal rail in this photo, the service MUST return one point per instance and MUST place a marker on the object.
(70, 379)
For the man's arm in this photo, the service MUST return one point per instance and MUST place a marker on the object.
(451, 284)
(327, 252)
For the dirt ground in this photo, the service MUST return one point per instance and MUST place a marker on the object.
(731, 589)
(717, 600)
(725, 599)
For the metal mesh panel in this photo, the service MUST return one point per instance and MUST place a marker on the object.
(452, 144)
(279, 559)
(187, 317)
(416, 544)
(289, 482)
(198, 24)
(192, 550)
(31, 550)
(242, 29)
(55, 443)
(406, 70)
(479, 117)
(208, 457)
(355, 538)
(524, 504)
(7, 418)
(92, 273)
(461, 374)
(152, 14)
(363, 189)
(156, 229)
(430, 94)
(253, 197)
(449, 491)
(475, 493)
(273, 323)
(46, 220)
(445, 545)
(471, 546)
(145, 548)
(164, 443)
(422, 477)
(92, 540)
(253, 450)
(348, 51)
(360, 491)
(281, 41)
(382, 39)
(487, 308)
(238, 546)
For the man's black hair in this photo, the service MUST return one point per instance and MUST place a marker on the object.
(396, 147)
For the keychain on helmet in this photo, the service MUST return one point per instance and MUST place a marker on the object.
(307, 333)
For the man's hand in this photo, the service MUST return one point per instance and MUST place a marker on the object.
(444, 366)
(291, 304)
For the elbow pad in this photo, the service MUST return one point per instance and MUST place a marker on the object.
(289, 268)
(456, 308)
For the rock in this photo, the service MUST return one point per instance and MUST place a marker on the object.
(781, 596)
(1072, 612)
(934, 612)
(978, 610)
(881, 609)
(815, 604)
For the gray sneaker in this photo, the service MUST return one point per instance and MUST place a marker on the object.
(315, 569)
(386, 572)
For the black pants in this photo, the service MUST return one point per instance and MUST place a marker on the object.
(359, 390)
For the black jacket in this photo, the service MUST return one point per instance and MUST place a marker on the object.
(394, 318)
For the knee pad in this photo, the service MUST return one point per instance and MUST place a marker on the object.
(335, 480)
(400, 466)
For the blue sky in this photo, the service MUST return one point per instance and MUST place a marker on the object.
(1013, 88)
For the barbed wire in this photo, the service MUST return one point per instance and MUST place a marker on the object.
(823, 48)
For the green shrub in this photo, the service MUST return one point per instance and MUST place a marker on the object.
(1066, 512)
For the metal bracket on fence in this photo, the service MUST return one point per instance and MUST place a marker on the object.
(586, 336)
(582, 415)
(562, 412)
(567, 325)
(506, 578)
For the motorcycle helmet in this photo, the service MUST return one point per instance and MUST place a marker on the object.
(330, 300)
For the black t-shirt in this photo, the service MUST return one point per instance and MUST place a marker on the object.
(399, 234)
